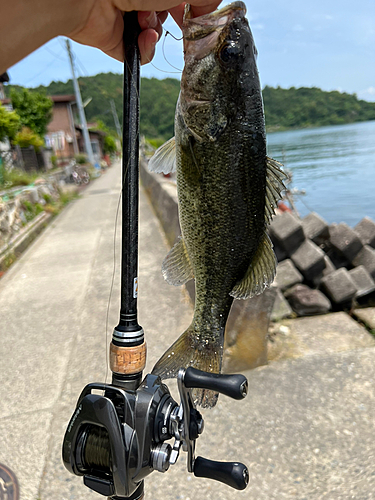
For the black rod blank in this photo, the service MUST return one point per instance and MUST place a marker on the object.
(130, 176)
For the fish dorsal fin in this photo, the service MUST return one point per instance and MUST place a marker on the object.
(259, 274)
(164, 159)
(274, 186)
(177, 268)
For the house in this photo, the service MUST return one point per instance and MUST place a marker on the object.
(64, 135)
(61, 133)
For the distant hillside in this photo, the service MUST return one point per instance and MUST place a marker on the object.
(307, 107)
(284, 108)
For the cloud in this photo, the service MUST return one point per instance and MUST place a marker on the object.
(367, 94)
(298, 27)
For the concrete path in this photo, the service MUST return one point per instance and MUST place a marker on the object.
(306, 430)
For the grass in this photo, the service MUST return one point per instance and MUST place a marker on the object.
(17, 178)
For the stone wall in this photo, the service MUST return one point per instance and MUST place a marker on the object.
(25, 204)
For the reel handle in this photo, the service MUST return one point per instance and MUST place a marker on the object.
(233, 474)
(234, 386)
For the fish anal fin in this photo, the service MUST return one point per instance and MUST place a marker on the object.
(176, 267)
(274, 187)
(188, 351)
(259, 274)
(164, 158)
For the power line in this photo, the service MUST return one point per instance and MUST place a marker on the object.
(55, 55)
(43, 70)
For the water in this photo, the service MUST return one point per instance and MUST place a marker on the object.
(334, 165)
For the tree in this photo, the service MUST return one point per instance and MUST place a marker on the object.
(34, 109)
(10, 123)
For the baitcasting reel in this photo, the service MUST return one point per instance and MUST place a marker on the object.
(118, 437)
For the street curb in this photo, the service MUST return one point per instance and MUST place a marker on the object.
(18, 244)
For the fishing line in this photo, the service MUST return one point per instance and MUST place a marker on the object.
(112, 283)
(163, 47)
(301, 200)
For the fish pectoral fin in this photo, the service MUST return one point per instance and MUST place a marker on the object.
(274, 186)
(176, 267)
(260, 273)
(164, 159)
(188, 351)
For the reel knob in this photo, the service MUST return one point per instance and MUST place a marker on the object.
(233, 474)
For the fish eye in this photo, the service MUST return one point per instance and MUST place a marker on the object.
(230, 53)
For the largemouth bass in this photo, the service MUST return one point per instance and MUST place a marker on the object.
(227, 187)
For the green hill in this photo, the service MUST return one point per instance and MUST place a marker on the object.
(284, 108)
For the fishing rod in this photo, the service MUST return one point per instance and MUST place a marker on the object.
(118, 432)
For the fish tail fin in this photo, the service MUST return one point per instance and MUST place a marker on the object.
(185, 352)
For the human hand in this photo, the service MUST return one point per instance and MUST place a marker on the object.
(99, 23)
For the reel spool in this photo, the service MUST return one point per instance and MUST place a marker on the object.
(116, 439)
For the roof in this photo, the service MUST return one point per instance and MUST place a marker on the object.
(63, 98)
(91, 130)
(55, 98)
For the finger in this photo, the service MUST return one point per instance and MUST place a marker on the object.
(146, 42)
(200, 10)
(152, 20)
(149, 5)
(178, 13)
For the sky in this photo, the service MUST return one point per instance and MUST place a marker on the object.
(323, 43)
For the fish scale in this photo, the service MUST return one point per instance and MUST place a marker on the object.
(227, 187)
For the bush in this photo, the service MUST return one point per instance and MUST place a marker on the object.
(109, 146)
(54, 161)
(10, 123)
(81, 159)
(26, 137)
(156, 143)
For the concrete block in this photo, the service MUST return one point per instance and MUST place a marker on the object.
(366, 315)
(307, 302)
(315, 228)
(281, 308)
(345, 240)
(366, 258)
(287, 231)
(309, 259)
(365, 230)
(339, 286)
(279, 251)
(329, 268)
(287, 275)
(362, 280)
(336, 259)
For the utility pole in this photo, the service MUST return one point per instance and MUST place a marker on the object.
(82, 116)
(115, 118)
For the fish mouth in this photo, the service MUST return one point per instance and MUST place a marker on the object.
(195, 28)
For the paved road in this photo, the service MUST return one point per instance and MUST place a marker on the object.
(306, 429)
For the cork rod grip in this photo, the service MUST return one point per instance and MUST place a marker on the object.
(127, 360)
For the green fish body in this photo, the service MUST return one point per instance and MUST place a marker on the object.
(227, 187)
